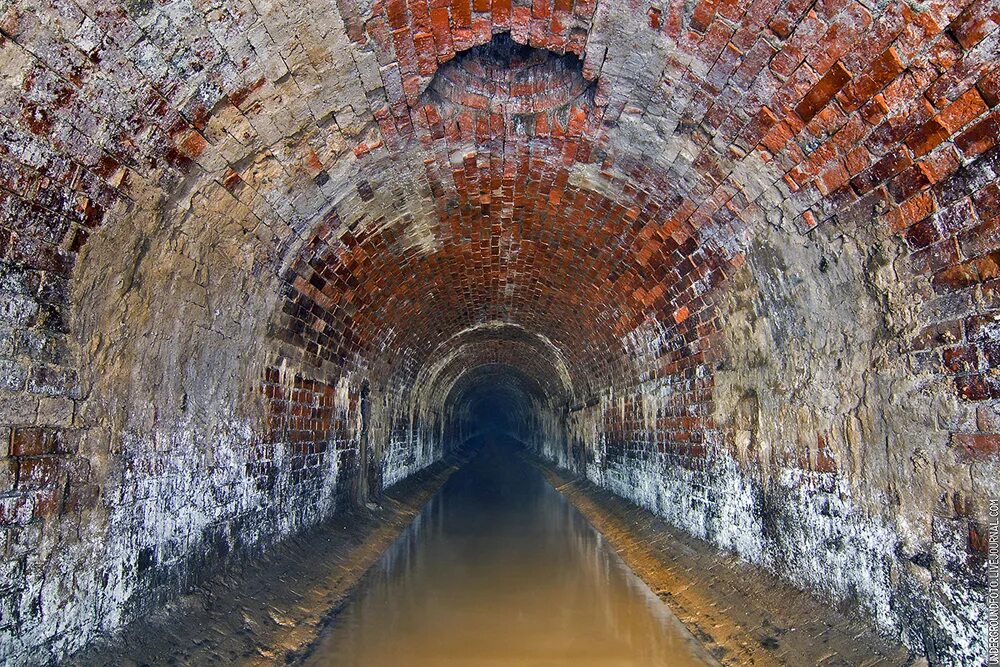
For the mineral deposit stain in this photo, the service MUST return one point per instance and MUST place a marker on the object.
(499, 569)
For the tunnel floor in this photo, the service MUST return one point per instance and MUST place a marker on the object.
(500, 569)
(495, 557)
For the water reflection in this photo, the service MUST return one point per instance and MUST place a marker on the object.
(499, 569)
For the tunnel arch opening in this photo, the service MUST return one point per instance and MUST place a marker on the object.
(496, 402)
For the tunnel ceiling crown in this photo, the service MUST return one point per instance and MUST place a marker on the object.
(506, 78)
(518, 234)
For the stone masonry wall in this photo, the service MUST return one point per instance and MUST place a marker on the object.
(823, 443)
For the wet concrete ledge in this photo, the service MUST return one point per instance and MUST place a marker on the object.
(272, 611)
(743, 614)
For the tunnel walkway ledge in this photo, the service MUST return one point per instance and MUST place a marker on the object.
(743, 614)
(273, 610)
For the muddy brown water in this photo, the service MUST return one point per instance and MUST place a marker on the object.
(499, 569)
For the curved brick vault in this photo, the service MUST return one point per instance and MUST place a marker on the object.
(736, 262)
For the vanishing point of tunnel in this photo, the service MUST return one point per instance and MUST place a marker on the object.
(500, 332)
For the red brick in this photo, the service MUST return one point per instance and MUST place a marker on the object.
(461, 13)
(981, 239)
(833, 178)
(890, 165)
(396, 14)
(940, 164)
(191, 144)
(32, 441)
(786, 19)
(956, 217)
(441, 29)
(937, 335)
(655, 17)
(978, 20)
(911, 211)
(944, 53)
(980, 137)
(541, 9)
(38, 472)
(923, 234)
(955, 277)
(908, 183)
(48, 503)
(977, 387)
(502, 11)
(880, 72)
(975, 446)
(987, 203)
(962, 111)
(427, 55)
(961, 359)
(982, 327)
(928, 137)
(989, 88)
(875, 111)
(988, 266)
(703, 14)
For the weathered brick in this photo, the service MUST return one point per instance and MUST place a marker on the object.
(989, 88)
(988, 418)
(977, 387)
(880, 72)
(937, 335)
(38, 472)
(31, 442)
(911, 212)
(880, 172)
(928, 137)
(973, 24)
(8, 474)
(15, 510)
(962, 111)
(975, 446)
(821, 94)
(908, 183)
(961, 359)
(981, 137)
(923, 234)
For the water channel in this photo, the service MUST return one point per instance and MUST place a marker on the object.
(500, 569)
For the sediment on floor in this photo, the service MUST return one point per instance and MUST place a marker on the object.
(743, 614)
(270, 611)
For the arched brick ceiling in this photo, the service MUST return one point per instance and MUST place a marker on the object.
(734, 120)
(557, 269)
(511, 237)
(618, 205)
(503, 77)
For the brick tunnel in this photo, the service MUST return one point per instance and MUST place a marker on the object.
(727, 273)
